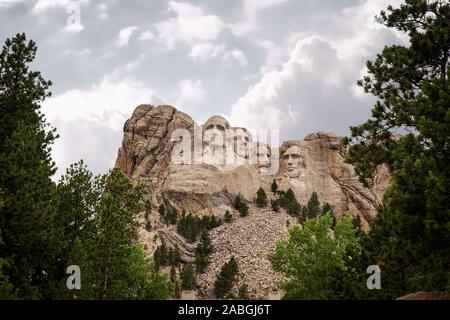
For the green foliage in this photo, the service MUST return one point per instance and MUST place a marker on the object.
(190, 226)
(228, 216)
(160, 257)
(312, 209)
(411, 232)
(288, 201)
(202, 252)
(27, 219)
(173, 274)
(240, 206)
(135, 279)
(188, 281)
(274, 204)
(98, 217)
(274, 186)
(261, 198)
(313, 259)
(225, 278)
(327, 209)
(168, 215)
(171, 217)
(7, 290)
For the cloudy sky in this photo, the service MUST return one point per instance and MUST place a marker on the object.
(287, 64)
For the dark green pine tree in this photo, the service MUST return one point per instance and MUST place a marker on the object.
(228, 216)
(188, 280)
(274, 204)
(116, 232)
(326, 208)
(225, 278)
(162, 211)
(27, 218)
(274, 186)
(289, 202)
(78, 197)
(176, 255)
(237, 202)
(241, 206)
(173, 274)
(7, 291)
(202, 252)
(313, 206)
(261, 198)
(410, 237)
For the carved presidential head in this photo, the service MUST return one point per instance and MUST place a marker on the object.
(242, 142)
(263, 155)
(214, 131)
(293, 160)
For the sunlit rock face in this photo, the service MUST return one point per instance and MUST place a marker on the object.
(210, 164)
(199, 169)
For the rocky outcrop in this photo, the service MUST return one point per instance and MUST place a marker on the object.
(201, 169)
(154, 135)
(249, 240)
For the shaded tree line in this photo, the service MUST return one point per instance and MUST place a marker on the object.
(81, 220)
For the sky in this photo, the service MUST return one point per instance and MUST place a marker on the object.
(290, 65)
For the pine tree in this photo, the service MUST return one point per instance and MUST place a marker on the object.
(274, 204)
(225, 278)
(7, 291)
(188, 277)
(228, 216)
(313, 206)
(162, 211)
(177, 255)
(261, 198)
(412, 229)
(274, 186)
(27, 218)
(237, 202)
(241, 206)
(326, 208)
(116, 231)
(173, 274)
(202, 252)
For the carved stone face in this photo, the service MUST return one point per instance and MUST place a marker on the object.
(215, 129)
(294, 161)
(262, 156)
(241, 143)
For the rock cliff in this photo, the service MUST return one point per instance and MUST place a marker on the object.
(201, 169)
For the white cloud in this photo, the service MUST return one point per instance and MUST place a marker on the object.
(314, 88)
(236, 55)
(74, 28)
(90, 121)
(251, 10)
(103, 10)
(77, 53)
(9, 3)
(124, 36)
(42, 5)
(206, 51)
(362, 32)
(191, 25)
(146, 35)
(190, 92)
